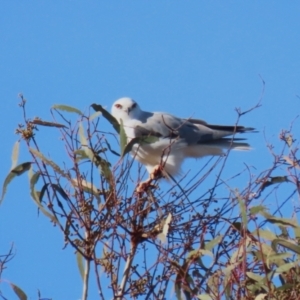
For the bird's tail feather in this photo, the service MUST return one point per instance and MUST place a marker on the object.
(216, 147)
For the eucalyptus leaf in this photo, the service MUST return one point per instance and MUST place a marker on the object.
(277, 220)
(60, 190)
(274, 180)
(216, 241)
(80, 264)
(18, 291)
(256, 209)
(47, 123)
(112, 120)
(15, 154)
(242, 206)
(87, 187)
(265, 234)
(255, 277)
(123, 137)
(17, 171)
(82, 138)
(48, 161)
(291, 246)
(33, 179)
(67, 108)
(204, 297)
(286, 267)
(95, 115)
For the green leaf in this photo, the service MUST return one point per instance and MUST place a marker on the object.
(265, 234)
(279, 221)
(204, 297)
(102, 165)
(87, 187)
(60, 190)
(83, 140)
(18, 291)
(266, 249)
(123, 137)
(286, 244)
(278, 258)
(95, 115)
(47, 124)
(297, 232)
(17, 171)
(274, 180)
(256, 209)
(214, 242)
(67, 108)
(47, 161)
(187, 291)
(279, 179)
(214, 282)
(284, 287)
(196, 255)
(241, 251)
(112, 120)
(242, 208)
(286, 267)
(33, 179)
(80, 264)
(228, 270)
(181, 277)
(104, 168)
(237, 226)
(284, 232)
(80, 155)
(15, 154)
(178, 291)
(42, 192)
(255, 277)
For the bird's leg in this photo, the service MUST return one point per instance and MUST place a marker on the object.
(156, 173)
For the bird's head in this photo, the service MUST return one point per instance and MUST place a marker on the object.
(125, 109)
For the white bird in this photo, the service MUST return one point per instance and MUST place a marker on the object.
(177, 138)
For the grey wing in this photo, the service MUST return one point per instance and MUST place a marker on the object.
(159, 125)
(198, 131)
(227, 128)
(191, 131)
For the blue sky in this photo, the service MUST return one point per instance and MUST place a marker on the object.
(192, 58)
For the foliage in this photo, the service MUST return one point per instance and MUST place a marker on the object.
(197, 244)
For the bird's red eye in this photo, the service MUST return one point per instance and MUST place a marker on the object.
(118, 106)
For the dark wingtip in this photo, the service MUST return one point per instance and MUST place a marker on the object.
(246, 129)
(233, 129)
